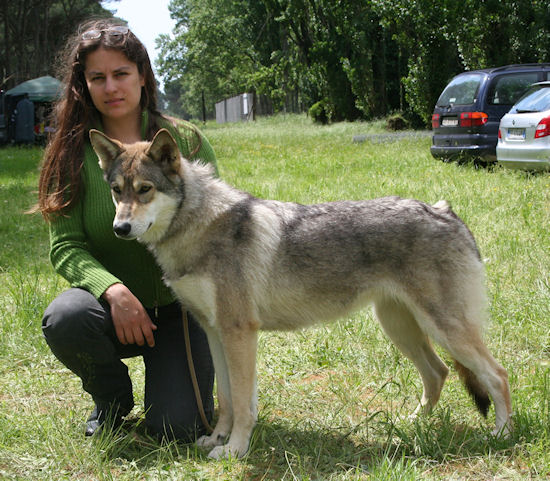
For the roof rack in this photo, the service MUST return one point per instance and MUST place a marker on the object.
(520, 65)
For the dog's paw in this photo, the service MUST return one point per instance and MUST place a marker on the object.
(227, 451)
(210, 441)
(421, 410)
(505, 432)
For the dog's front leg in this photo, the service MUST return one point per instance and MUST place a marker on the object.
(240, 345)
(225, 419)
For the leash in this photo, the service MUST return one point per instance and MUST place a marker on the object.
(192, 372)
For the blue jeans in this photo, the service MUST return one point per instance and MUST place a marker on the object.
(80, 332)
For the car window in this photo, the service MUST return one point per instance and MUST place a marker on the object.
(462, 90)
(536, 100)
(507, 89)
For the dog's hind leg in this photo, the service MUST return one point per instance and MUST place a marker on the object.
(455, 324)
(401, 327)
(225, 419)
(481, 373)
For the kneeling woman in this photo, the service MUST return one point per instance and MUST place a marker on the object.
(117, 306)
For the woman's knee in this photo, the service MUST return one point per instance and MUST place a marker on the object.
(71, 315)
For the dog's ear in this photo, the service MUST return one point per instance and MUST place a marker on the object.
(107, 149)
(164, 150)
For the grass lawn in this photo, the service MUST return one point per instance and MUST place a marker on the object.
(333, 400)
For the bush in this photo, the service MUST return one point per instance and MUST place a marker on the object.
(320, 112)
(397, 122)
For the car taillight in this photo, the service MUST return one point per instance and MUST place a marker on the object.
(543, 128)
(435, 121)
(499, 134)
(473, 119)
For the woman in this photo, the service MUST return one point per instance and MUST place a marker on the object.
(117, 306)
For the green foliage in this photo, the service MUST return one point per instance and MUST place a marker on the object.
(397, 122)
(366, 58)
(320, 112)
(32, 33)
(212, 52)
(295, 52)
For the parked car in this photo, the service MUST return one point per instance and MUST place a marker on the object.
(524, 133)
(466, 116)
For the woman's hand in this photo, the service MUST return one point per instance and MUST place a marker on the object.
(132, 323)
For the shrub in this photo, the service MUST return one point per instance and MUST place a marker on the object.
(320, 112)
(397, 122)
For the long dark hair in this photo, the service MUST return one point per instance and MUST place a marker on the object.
(74, 114)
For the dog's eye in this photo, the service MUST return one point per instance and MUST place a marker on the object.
(116, 189)
(144, 189)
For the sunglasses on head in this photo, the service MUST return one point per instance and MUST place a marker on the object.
(116, 33)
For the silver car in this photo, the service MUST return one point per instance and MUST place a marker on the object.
(524, 132)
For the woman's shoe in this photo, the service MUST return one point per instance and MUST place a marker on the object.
(100, 417)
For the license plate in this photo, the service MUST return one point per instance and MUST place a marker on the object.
(449, 122)
(516, 134)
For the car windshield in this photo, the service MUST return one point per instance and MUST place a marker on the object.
(461, 91)
(537, 99)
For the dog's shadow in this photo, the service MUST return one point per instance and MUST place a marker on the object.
(318, 451)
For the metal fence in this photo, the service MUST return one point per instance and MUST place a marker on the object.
(235, 109)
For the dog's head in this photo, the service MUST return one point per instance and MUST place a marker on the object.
(145, 183)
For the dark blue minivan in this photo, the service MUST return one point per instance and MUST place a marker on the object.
(467, 114)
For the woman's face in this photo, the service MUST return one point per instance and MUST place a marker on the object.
(114, 83)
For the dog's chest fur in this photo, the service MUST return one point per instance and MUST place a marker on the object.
(198, 293)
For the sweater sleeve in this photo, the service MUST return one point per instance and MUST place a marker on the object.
(71, 257)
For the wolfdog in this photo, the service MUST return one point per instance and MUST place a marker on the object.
(241, 264)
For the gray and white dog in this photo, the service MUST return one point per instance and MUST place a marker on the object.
(241, 264)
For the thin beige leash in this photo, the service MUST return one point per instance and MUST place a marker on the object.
(192, 372)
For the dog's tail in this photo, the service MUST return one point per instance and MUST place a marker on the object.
(475, 388)
(445, 209)
(442, 205)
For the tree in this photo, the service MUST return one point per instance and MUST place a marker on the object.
(32, 32)
(214, 57)
(294, 51)
(443, 38)
(362, 59)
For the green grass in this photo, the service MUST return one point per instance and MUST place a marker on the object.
(333, 400)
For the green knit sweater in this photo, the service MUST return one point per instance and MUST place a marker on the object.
(84, 249)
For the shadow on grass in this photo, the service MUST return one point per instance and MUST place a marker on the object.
(324, 453)
(318, 453)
